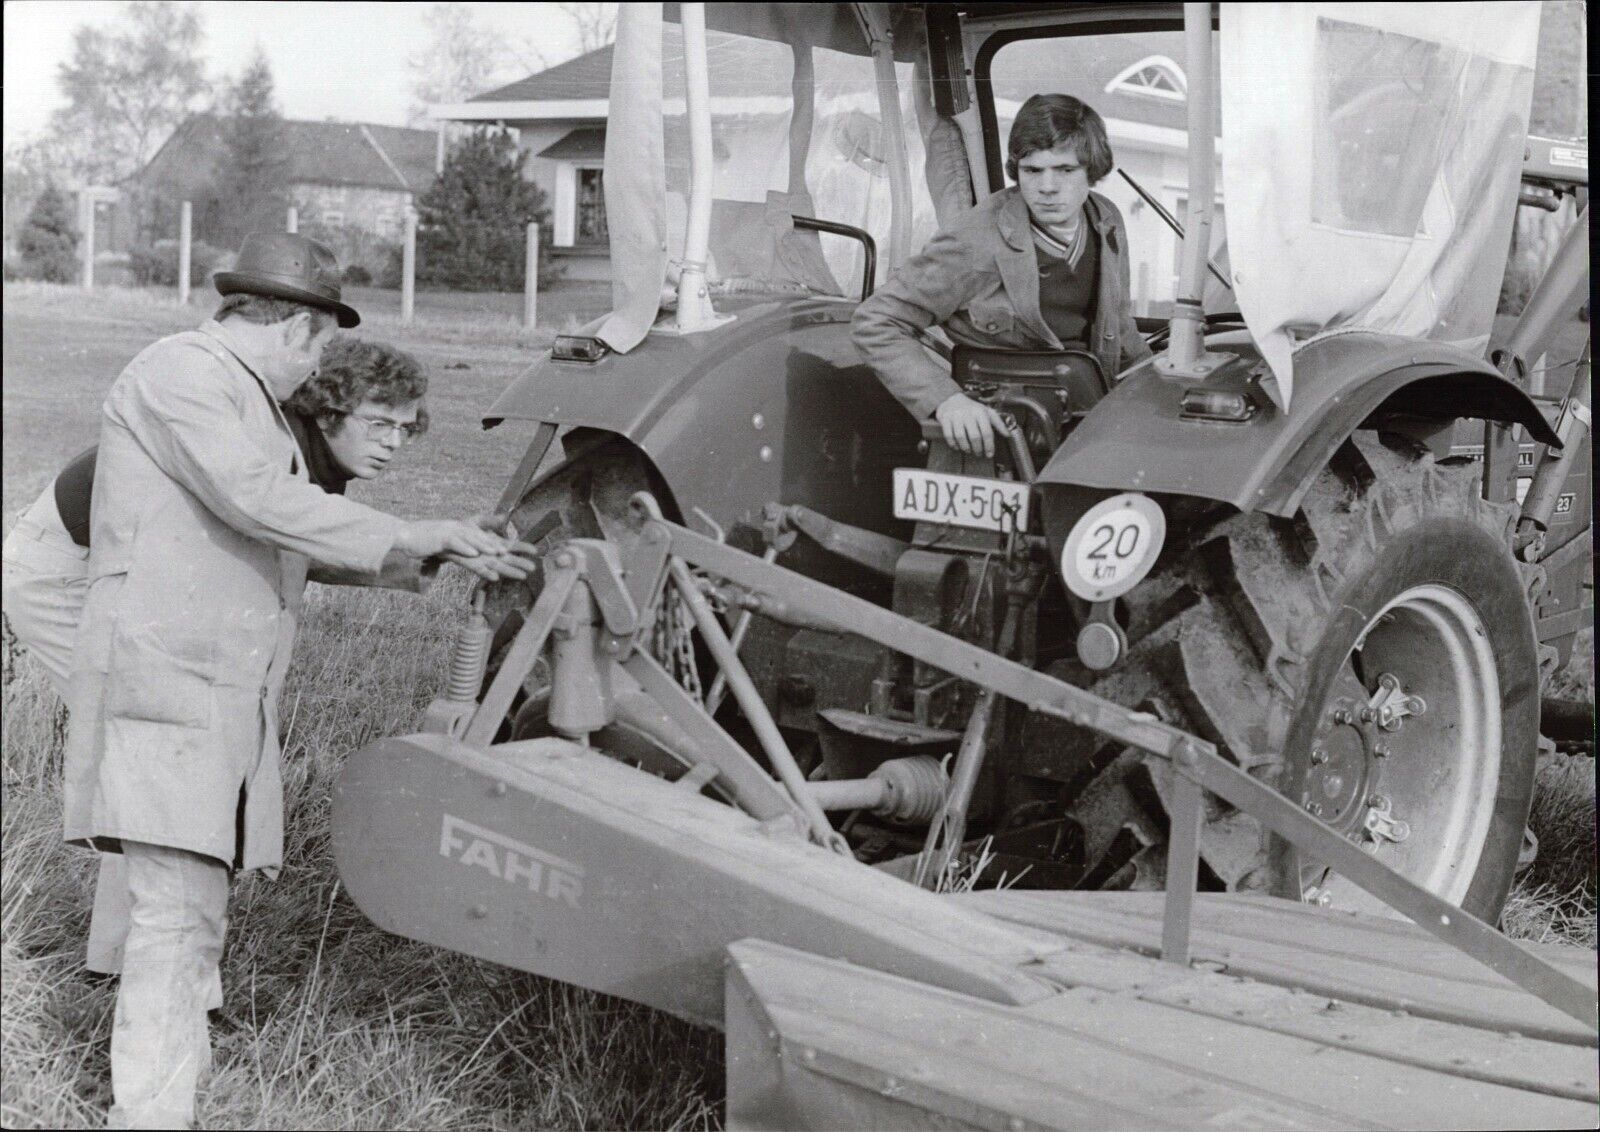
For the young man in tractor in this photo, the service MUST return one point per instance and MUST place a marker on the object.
(203, 523)
(1041, 266)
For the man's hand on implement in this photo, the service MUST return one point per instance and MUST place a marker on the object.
(475, 545)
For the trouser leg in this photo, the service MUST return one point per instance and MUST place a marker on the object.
(108, 920)
(159, 1044)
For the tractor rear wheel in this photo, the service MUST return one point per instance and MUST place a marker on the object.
(1374, 660)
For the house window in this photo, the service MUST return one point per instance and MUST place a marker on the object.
(1154, 77)
(591, 208)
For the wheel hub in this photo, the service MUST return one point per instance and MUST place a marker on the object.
(1405, 754)
(1342, 766)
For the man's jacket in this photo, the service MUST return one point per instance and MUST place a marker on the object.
(203, 521)
(979, 279)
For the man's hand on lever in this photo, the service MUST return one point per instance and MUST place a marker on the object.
(968, 425)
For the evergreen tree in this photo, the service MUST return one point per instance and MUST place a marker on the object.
(472, 224)
(48, 241)
(253, 180)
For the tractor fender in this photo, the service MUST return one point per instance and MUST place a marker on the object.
(1136, 438)
(775, 405)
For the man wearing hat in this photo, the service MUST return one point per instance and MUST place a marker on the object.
(203, 523)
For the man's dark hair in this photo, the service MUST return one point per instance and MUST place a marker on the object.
(1050, 120)
(264, 310)
(353, 370)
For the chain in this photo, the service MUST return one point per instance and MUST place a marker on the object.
(672, 643)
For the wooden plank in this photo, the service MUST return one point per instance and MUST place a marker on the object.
(1079, 1059)
(1554, 1068)
(1380, 962)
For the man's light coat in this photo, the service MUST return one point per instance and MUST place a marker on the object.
(203, 520)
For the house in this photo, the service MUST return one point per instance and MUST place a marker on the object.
(1136, 81)
(343, 176)
(560, 118)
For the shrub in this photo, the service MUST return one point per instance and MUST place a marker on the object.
(48, 241)
(472, 222)
(156, 264)
(357, 275)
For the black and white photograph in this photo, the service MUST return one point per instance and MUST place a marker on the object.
(797, 566)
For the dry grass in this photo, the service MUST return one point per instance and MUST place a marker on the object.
(331, 1023)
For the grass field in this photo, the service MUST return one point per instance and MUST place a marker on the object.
(330, 1023)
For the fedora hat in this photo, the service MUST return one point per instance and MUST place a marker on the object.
(282, 265)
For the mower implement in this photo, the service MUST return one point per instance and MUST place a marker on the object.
(853, 997)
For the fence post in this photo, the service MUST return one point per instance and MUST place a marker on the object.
(185, 218)
(294, 219)
(86, 235)
(408, 269)
(530, 286)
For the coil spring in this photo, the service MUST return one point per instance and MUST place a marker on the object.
(469, 658)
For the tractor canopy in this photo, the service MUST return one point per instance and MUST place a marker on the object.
(1369, 153)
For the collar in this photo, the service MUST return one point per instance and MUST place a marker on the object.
(211, 328)
(1017, 228)
(224, 337)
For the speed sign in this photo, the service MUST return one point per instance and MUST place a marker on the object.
(1112, 547)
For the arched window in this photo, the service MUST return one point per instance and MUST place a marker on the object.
(1154, 77)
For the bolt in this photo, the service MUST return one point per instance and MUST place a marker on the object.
(1314, 808)
(766, 454)
(1318, 756)
(564, 560)
(758, 421)
(1343, 716)
(1417, 704)
(1378, 801)
(1324, 900)
(1389, 681)
(1368, 715)
(1380, 751)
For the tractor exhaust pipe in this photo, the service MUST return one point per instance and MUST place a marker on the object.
(1186, 353)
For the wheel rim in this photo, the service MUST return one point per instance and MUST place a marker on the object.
(1406, 757)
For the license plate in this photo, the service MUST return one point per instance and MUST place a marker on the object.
(960, 501)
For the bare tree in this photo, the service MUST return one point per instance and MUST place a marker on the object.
(596, 24)
(464, 57)
(127, 88)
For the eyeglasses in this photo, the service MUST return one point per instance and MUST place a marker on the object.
(381, 428)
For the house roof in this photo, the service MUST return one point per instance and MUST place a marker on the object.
(740, 67)
(326, 153)
(587, 76)
(586, 143)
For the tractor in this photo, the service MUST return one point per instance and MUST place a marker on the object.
(811, 727)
